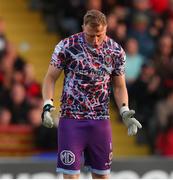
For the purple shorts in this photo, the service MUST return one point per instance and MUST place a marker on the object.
(88, 140)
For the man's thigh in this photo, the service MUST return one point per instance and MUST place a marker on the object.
(98, 154)
(72, 139)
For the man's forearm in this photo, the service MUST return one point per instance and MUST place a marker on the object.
(121, 96)
(48, 88)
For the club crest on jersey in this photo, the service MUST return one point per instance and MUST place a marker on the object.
(67, 157)
(108, 60)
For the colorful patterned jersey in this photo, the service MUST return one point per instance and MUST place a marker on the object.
(88, 73)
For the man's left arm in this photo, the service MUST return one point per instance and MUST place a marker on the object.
(121, 98)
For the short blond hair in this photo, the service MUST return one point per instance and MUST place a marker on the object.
(94, 18)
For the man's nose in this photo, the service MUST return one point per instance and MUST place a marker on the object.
(96, 40)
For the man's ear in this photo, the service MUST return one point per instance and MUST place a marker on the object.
(82, 27)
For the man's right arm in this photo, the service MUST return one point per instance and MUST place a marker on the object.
(48, 92)
(49, 82)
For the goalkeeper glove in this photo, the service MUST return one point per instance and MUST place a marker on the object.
(47, 119)
(129, 120)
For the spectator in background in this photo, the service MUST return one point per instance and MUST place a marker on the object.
(112, 25)
(116, 30)
(11, 67)
(164, 110)
(163, 60)
(121, 34)
(134, 61)
(34, 116)
(121, 13)
(96, 4)
(108, 6)
(33, 88)
(70, 16)
(139, 7)
(139, 30)
(18, 104)
(148, 84)
(169, 27)
(160, 120)
(156, 28)
(5, 116)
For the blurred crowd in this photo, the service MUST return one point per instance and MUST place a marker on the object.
(144, 28)
(20, 94)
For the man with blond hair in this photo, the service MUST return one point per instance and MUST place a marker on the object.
(90, 61)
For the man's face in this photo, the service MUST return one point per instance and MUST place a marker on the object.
(94, 35)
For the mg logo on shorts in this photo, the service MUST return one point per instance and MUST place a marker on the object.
(67, 157)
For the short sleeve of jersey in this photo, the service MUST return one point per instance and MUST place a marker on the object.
(58, 56)
(119, 62)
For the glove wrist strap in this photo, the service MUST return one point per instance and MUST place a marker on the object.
(123, 109)
(48, 101)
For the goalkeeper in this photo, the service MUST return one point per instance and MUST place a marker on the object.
(90, 61)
